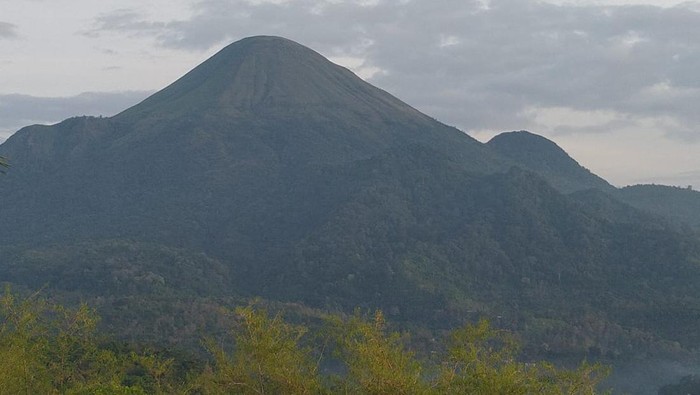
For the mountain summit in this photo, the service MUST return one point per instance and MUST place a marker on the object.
(269, 75)
(302, 107)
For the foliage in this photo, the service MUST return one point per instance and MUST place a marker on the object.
(377, 362)
(46, 348)
(268, 359)
(4, 164)
(22, 342)
(483, 360)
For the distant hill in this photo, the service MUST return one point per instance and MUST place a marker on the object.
(544, 157)
(269, 171)
(681, 205)
(547, 159)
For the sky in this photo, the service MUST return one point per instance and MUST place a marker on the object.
(615, 83)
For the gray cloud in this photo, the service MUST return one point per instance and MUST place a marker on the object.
(124, 20)
(17, 111)
(473, 66)
(605, 127)
(7, 30)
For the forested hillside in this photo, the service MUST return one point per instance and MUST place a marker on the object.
(270, 172)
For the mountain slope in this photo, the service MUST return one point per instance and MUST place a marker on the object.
(308, 184)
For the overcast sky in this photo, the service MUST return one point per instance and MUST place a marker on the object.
(615, 83)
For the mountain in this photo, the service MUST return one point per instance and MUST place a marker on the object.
(231, 135)
(269, 171)
(547, 159)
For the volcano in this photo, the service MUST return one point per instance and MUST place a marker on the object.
(300, 182)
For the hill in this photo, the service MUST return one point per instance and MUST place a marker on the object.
(547, 159)
(542, 156)
(681, 205)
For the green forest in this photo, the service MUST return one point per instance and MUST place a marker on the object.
(48, 348)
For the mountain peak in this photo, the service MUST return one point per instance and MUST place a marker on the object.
(263, 43)
(263, 75)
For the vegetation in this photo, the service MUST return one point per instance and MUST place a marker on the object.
(3, 164)
(46, 348)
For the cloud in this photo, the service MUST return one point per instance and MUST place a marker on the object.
(7, 30)
(17, 111)
(124, 20)
(477, 64)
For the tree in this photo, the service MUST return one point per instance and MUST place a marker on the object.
(376, 360)
(482, 360)
(4, 164)
(46, 348)
(268, 358)
(23, 343)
